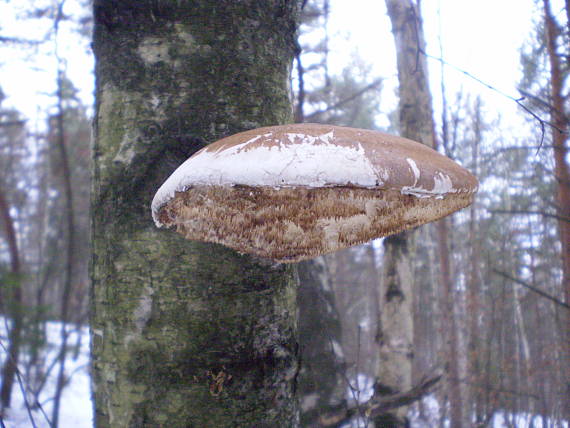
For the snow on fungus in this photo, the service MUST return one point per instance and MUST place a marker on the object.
(294, 192)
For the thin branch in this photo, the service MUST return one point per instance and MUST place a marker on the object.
(13, 123)
(538, 100)
(380, 404)
(533, 288)
(500, 390)
(18, 40)
(23, 392)
(543, 123)
(342, 102)
(549, 215)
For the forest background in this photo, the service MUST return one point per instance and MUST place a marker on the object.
(509, 285)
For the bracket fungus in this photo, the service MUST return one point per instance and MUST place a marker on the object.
(294, 192)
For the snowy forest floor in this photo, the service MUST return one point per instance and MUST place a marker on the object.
(77, 409)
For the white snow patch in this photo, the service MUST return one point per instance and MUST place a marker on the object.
(432, 413)
(76, 406)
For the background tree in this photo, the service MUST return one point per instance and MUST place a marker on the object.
(336, 317)
(321, 381)
(11, 300)
(395, 324)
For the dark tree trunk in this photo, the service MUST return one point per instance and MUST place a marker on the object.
(14, 307)
(321, 382)
(185, 334)
(562, 168)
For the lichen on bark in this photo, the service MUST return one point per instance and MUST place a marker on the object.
(185, 333)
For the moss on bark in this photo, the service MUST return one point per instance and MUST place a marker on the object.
(185, 333)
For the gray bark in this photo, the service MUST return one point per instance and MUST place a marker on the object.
(185, 334)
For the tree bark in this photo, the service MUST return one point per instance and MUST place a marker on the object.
(14, 307)
(321, 382)
(70, 255)
(183, 333)
(451, 344)
(415, 122)
(395, 327)
(449, 315)
(561, 166)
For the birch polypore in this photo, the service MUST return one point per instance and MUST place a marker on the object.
(294, 192)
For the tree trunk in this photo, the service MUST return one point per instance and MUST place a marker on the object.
(13, 306)
(70, 255)
(474, 346)
(561, 167)
(451, 343)
(449, 294)
(415, 122)
(395, 326)
(183, 333)
(321, 381)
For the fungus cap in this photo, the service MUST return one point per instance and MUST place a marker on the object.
(294, 192)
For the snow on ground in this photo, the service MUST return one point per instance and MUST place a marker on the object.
(76, 410)
(499, 420)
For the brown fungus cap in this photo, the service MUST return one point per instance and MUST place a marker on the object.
(294, 192)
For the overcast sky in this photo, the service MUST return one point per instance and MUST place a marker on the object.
(482, 37)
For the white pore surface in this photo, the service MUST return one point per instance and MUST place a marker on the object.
(303, 160)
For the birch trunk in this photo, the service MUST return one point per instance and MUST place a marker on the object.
(185, 334)
(395, 325)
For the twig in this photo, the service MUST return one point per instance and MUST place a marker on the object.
(13, 123)
(518, 100)
(549, 215)
(500, 390)
(23, 391)
(357, 94)
(18, 40)
(381, 404)
(533, 288)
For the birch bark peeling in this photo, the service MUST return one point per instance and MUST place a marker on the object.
(184, 333)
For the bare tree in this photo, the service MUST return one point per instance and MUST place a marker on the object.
(559, 114)
(14, 305)
(395, 325)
